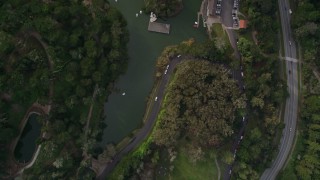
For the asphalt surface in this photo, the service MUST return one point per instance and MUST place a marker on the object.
(226, 13)
(290, 116)
(149, 123)
(227, 20)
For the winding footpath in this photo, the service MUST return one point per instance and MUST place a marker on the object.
(290, 116)
(149, 123)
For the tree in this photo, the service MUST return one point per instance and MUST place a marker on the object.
(227, 157)
(257, 102)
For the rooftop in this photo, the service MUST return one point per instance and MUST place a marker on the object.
(243, 24)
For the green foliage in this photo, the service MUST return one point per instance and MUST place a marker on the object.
(207, 50)
(262, 15)
(164, 8)
(306, 22)
(203, 169)
(199, 104)
(131, 161)
(265, 91)
(227, 157)
(67, 48)
(308, 167)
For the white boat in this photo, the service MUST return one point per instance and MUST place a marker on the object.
(153, 17)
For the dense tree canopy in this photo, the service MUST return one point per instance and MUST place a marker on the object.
(306, 22)
(265, 91)
(201, 102)
(307, 166)
(163, 8)
(262, 15)
(59, 52)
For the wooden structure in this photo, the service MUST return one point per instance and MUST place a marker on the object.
(159, 27)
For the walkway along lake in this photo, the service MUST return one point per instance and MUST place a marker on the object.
(27, 143)
(125, 113)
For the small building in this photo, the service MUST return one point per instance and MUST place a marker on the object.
(243, 24)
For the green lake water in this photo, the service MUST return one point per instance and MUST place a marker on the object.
(27, 143)
(125, 113)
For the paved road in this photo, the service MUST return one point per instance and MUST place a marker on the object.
(147, 126)
(227, 21)
(226, 13)
(290, 116)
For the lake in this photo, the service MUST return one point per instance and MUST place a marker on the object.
(125, 113)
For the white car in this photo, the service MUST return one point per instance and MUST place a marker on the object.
(242, 74)
(167, 66)
(165, 72)
(290, 129)
(243, 118)
(290, 43)
(156, 98)
(179, 55)
(241, 137)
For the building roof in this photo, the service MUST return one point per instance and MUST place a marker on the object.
(243, 23)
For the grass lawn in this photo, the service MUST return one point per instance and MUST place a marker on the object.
(185, 170)
(219, 32)
(217, 29)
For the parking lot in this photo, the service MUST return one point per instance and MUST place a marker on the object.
(227, 10)
(234, 13)
(218, 7)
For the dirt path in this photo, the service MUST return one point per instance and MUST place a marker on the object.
(84, 153)
(37, 36)
(254, 37)
(218, 167)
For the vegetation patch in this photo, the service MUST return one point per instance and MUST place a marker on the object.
(304, 163)
(187, 126)
(58, 54)
(265, 91)
(262, 18)
(163, 8)
(203, 169)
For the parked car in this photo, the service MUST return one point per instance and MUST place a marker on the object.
(218, 11)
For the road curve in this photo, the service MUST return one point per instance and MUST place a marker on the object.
(290, 115)
(149, 123)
